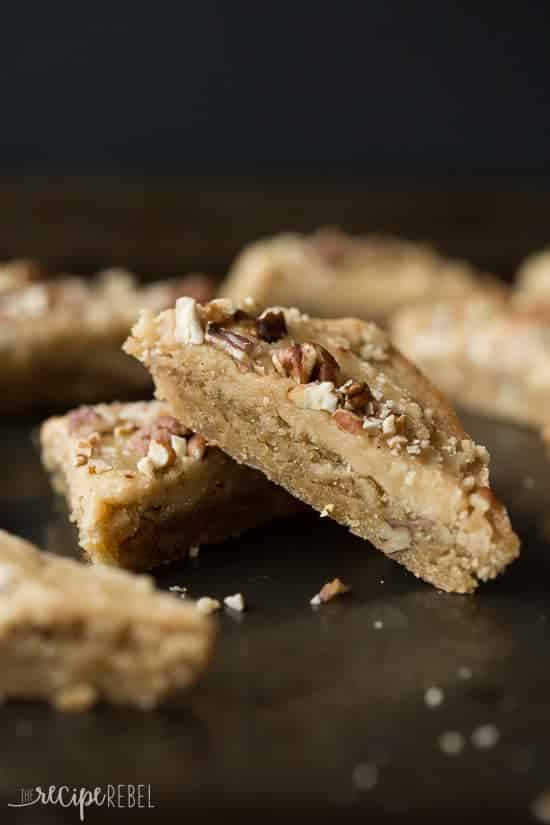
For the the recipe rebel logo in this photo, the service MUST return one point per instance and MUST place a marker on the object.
(108, 796)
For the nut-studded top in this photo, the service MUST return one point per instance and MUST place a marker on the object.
(347, 369)
(125, 446)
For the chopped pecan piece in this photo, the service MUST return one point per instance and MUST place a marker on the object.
(241, 315)
(236, 345)
(271, 326)
(356, 395)
(87, 419)
(348, 421)
(297, 362)
(219, 311)
(196, 446)
(306, 362)
(161, 430)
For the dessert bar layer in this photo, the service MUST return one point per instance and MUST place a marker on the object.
(332, 412)
(60, 337)
(73, 634)
(330, 273)
(143, 489)
(486, 353)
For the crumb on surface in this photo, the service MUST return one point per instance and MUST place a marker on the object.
(464, 672)
(378, 624)
(176, 588)
(330, 591)
(434, 696)
(451, 743)
(235, 602)
(485, 736)
(194, 551)
(365, 776)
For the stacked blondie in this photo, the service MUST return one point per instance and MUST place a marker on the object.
(261, 412)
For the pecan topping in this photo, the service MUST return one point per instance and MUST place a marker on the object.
(271, 326)
(348, 421)
(237, 346)
(306, 362)
(196, 446)
(86, 418)
(356, 395)
(219, 311)
(241, 315)
(161, 430)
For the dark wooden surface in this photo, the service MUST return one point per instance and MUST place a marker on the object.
(297, 698)
(168, 225)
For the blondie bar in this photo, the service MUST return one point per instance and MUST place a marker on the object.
(144, 490)
(60, 338)
(330, 273)
(488, 354)
(331, 411)
(73, 634)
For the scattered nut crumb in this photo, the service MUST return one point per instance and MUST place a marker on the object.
(434, 697)
(330, 591)
(207, 605)
(451, 743)
(485, 736)
(529, 483)
(364, 776)
(235, 602)
(464, 672)
(176, 588)
(378, 624)
(194, 551)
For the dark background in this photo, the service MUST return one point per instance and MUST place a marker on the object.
(377, 88)
(163, 137)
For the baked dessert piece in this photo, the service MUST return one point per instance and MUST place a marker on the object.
(144, 490)
(60, 338)
(330, 274)
(533, 281)
(333, 413)
(73, 634)
(485, 352)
